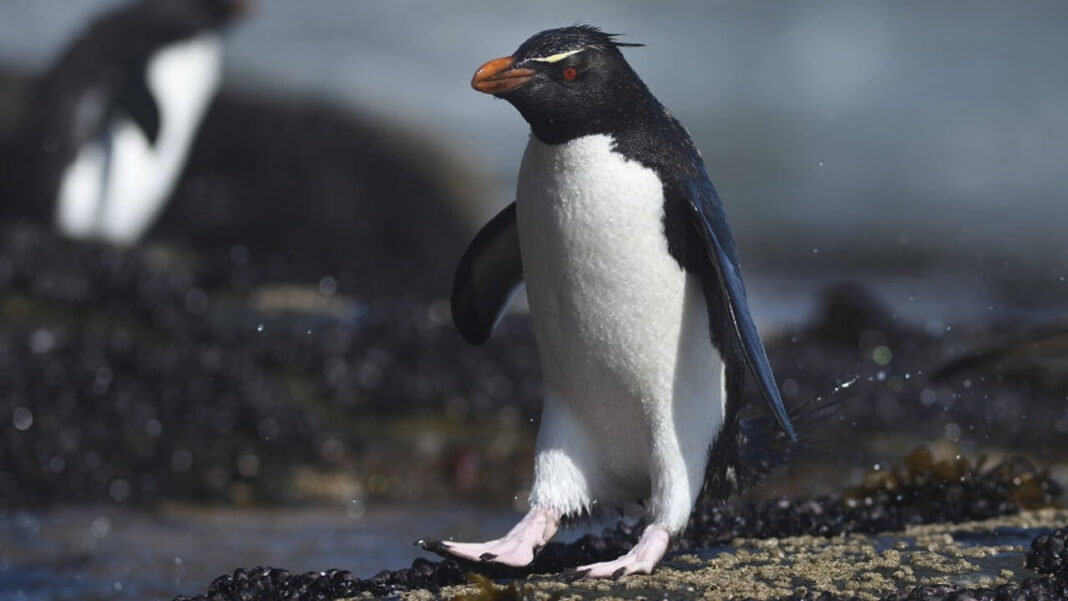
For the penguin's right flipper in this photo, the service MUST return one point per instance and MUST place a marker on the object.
(136, 101)
(489, 274)
(709, 219)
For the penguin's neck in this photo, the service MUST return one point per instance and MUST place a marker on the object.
(627, 108)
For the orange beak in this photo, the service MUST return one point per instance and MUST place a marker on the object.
(498, 76)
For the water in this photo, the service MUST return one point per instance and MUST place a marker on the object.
(118, 554)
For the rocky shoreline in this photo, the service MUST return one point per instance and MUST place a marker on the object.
(299, 393)
(992, 559)
(934, 530)
(268, 393)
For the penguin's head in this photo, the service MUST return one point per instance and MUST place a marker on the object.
(567, 82)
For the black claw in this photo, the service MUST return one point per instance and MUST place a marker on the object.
(619, 573)
(435, 546)
(574, 575)
(487, 557)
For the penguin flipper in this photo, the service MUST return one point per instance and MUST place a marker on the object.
(710, 221)
(136, 101)
(489, 274)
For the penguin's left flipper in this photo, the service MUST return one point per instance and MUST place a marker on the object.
(136, 101)
(708, 217)
(489, 274)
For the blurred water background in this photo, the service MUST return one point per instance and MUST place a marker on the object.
(885, 129)
(917, 147)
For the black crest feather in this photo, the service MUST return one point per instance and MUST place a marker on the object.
(567, 39)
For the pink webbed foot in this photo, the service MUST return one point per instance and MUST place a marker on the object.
(517, 548)
(641, 559)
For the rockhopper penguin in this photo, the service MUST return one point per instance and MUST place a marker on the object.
(635, 293)
(114, 117)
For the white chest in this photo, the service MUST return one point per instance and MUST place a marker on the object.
(608, 302)
(622, 329)
(183, 78)
(588, 209)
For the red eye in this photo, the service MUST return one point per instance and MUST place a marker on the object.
(569, 73)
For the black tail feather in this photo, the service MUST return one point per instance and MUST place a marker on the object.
(760, 446)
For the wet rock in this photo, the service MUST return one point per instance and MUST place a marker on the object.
(920, 491)
(925, 492)
(1049, 555)
(130, 379)
(920, 563)
(223, 384)
(269, 584)
(852, 316)
(911, 379)
(1031, 589)
(1038, 359)
(309, 190)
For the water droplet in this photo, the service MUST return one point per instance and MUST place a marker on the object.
(22, 418)
(119, 489)
(882, 355)
(327, 285)
(100, 528)
(42, 341)
(790, 387)
(356, 509)
(934, 327)
(952, 431)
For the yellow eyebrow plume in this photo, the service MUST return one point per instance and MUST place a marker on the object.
(558, 57)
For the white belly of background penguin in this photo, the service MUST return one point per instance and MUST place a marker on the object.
(120, 180)
(635, 393)
(636, 299)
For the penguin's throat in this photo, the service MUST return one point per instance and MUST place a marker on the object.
(560, 126)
